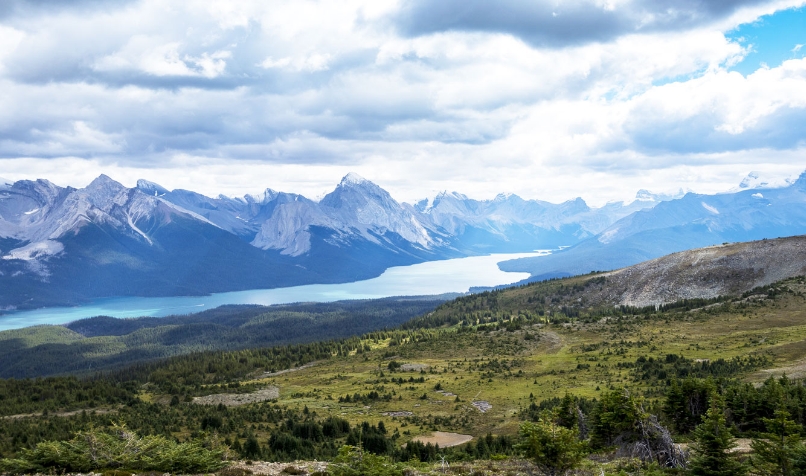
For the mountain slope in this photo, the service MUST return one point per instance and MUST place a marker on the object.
(689, 222)
(107, 240)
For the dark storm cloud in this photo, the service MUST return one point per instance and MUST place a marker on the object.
(558, 24)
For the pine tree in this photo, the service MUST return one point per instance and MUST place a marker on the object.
(775, 452)
(713, 440)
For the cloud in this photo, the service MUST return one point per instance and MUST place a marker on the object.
(142, 55)
(312, 63)
(24, 8)
(544, 100)
(723, 111)
(560, 24)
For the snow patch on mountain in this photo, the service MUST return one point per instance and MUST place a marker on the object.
(644, 195)
(34, 251)
(710, 208)
(608, 235)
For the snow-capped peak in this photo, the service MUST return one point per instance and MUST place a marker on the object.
(151, 188)
(752, 180)
(353, 179)
(644, 195)
(502, 197)
(5, 183)
(262, 198)
(755, 180)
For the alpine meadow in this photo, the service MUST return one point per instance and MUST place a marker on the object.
(403, 238)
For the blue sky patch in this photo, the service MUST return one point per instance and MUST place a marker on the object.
(772, 39)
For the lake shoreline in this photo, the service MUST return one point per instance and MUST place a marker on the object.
(430, 278)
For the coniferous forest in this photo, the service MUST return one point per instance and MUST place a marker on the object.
(568, 387)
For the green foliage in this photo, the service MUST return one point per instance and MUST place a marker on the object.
(104, 343)
(119, 448)
(62, 393)
(553, 448)
(678, 367)
(354, 461)
(749, 405)
(686, 402)
(616, 417)
(775, 452)
(712, 441)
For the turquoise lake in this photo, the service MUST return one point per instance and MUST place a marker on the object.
(434, 277)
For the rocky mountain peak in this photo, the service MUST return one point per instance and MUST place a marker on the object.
(353, 178)
(151, 188)
(262, 198)
(102, 192)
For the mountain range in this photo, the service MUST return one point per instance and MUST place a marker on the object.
(62, 245)
(691, 221)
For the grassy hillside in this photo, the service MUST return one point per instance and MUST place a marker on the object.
(99, 344)
(510, 353)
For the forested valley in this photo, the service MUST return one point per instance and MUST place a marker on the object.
(541, 380)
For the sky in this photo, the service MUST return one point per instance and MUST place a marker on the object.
(546, 99)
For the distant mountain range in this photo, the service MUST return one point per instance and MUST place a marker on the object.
(62, 246)
(692, 221)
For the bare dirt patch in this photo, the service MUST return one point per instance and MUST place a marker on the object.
(238, 399)
(483, 406)
(444, 439)
(553, 340)
(272, 469)
(413, 367)
(398, 414)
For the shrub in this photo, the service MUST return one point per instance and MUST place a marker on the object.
(119, 448)
(353, 461)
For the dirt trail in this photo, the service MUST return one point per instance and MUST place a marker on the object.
(444, 439)
(554, 341)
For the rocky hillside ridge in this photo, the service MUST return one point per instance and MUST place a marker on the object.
(721, 270)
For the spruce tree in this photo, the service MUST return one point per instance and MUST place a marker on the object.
(553, 448)
(712, 442)
(776, 451)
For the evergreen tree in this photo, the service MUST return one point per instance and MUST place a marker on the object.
(712, 441)
(615, 418)
(776, 451)
(554, 448)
